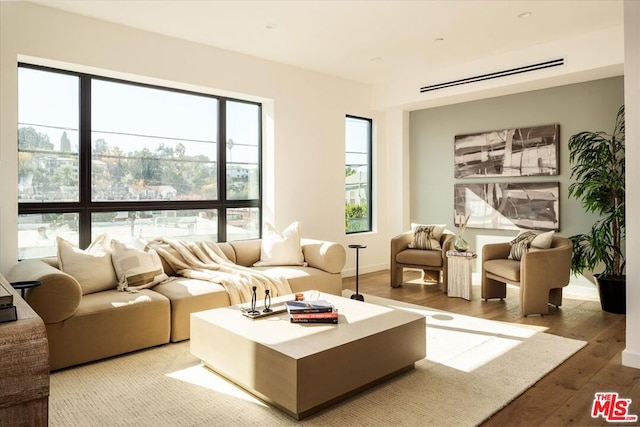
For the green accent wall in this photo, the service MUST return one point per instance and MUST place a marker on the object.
(588, 106)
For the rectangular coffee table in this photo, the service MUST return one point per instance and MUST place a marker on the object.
(303, 368)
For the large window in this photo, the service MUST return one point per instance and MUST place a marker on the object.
(136, 161)
(357, 174)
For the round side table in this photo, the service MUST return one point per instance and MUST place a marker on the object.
(357, 295)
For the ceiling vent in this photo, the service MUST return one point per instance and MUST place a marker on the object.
(497, 74)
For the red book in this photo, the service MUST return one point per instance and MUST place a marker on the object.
(328, 315)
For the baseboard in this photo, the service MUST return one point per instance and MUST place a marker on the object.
(631, 359)
(350, 272)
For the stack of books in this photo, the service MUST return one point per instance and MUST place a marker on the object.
(8, 311)
(467, 254)
(319, 311)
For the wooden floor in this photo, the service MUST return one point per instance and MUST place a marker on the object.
(565, 396)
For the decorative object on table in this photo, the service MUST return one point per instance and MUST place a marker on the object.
(526, 151)
(254, 301)
(598, 174)
(357, 296)
(511, 206)
(267, 302)
(461, 221)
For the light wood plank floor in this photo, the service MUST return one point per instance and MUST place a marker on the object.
(565, 396)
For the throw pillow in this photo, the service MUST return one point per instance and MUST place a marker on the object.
(543, 240)
(281, 248)
(427, 236)
(135, 268)
(92, 267)
(520, 245)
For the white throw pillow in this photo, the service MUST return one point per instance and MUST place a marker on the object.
(281, 248)
(92, 267)
(543, 240)
(135, 268)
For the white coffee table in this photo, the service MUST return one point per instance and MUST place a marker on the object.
(303, 368)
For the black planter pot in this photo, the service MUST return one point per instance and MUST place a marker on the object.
(612, 290)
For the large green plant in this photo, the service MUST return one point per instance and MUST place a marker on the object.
(597, 173)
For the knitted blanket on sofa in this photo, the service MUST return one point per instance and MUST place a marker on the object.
(206, 261)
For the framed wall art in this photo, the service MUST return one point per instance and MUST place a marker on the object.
(530, 151)
(510, 206)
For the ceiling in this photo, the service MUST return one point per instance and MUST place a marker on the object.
(366, 41)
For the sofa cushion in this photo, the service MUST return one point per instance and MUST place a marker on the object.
(92, 267)
(109, 323)
(281, 248)
(306, 278)
(136, 268)
(189, 296)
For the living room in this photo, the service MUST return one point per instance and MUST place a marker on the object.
(303, 175)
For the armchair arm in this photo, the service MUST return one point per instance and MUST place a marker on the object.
(58, 296)
(327, 256)
(549, 266)
(495, 251)
(400, 243)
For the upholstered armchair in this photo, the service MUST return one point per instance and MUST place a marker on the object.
(540, 273)
(433, 263)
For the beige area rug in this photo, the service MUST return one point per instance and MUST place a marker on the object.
(474, 367)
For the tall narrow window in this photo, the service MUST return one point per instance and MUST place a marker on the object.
(357, 175)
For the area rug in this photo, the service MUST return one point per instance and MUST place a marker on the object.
(474, 367)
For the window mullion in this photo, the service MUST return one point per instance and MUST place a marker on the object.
(85, 161)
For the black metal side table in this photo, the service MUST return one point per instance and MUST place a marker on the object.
(25, 285)
(357, 295)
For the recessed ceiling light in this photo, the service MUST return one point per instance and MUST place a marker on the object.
(524, 15)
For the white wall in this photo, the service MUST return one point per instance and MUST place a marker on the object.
(305, 112)
(631, 354)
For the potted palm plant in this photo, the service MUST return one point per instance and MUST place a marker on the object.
(598, 167)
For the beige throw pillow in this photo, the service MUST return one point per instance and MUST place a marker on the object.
(92, 267)
(542, 240)
(281, 248)
(427, 236)
(135, 268)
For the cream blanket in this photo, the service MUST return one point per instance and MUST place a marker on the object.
(206, 261)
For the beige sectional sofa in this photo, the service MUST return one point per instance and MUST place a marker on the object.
(83, 328)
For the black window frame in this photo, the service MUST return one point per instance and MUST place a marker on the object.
(85, 206)
(369, 174)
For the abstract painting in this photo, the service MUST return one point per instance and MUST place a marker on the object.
(531, 151)
(510, 206)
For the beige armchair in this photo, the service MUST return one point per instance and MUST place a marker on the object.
(433, 263)
(541, 274)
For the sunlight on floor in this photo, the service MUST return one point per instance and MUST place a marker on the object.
(467, 343)
(200, 376)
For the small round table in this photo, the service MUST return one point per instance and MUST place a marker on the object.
(357, 295)
(25, 285)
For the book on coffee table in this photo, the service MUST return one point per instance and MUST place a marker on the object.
(316, 306)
